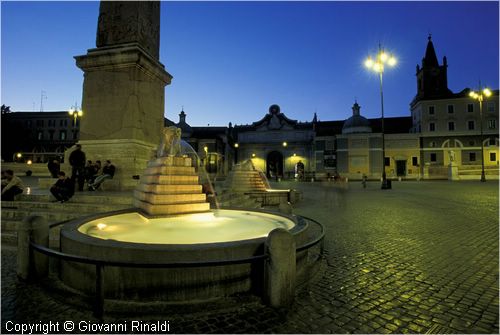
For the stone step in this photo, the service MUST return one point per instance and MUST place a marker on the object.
(70, 206)
(81, 197)
(170, 180)
(157, 199)
(170, 161)
(172, 208)
(9, 238)
(169, 189)
(170, 170)
(46, 183)
(51, 216)
(9, 225)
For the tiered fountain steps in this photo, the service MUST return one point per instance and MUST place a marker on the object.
(170, 186)
(247, 181)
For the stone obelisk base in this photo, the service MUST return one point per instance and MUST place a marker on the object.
(130, 157)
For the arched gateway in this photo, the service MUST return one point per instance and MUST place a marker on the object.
(274, 164)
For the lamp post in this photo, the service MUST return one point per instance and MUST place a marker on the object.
(75, 113)
(236, 146)
(479, 96)
(378, 64)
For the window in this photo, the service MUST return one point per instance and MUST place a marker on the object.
(62, 135)
(320, 145)
(492, 124)
(493, 156)
(491, 106)
(470, 125)
(387, 161)
(432, 126)
(491, 141)
(451, 109)
(472, 143)
(433, 157)
(51, 134)
(75, 134)
(451, 126)
(432, 144)
(40, 135)
(431, 110)
(39, 123)
(63, 123)
(414, 161)
(470, 108)
(472, 156)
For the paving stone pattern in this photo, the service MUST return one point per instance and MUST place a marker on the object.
(422, 257)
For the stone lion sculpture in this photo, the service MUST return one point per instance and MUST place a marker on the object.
(170, 144)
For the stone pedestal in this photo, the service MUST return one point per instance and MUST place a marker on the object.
(130, 158)
(453, 171)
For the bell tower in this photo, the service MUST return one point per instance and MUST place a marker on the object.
(432, 78)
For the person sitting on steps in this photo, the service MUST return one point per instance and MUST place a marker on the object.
(108, 171)
(11, 186)
(63, 189)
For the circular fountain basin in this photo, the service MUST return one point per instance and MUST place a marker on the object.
(129, 236)
(211, 227)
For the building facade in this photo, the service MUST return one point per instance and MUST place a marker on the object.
(38, 136)
(443, 127)
(450, 124)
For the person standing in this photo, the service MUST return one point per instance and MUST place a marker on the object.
(63, 189)
(77, 161)
(13, 186)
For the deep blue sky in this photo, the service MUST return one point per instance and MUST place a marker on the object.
(232, 60)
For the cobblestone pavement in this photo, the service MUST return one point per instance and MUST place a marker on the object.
(422, 257)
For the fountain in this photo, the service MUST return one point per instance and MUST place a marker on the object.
(246, 179)
(173, 222)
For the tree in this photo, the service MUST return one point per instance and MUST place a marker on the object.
(5, 109)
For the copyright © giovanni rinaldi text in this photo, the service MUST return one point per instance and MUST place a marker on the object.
(87, 327)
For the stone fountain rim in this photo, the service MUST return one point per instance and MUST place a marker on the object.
(70, 230)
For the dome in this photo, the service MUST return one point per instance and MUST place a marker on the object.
(356, 123)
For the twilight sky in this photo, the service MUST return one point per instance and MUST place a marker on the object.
(232, 60)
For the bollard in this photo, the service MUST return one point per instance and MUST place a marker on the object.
(280, 269)
(32, 264)
(285, 207)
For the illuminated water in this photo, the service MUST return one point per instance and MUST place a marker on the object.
(210, 227)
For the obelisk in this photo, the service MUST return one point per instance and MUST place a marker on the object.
(124, 89)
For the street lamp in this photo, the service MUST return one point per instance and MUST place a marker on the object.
(484, 93)
(75, 113)
(236, 146)
(378, 64)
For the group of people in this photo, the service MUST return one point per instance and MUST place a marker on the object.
(82, 171)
